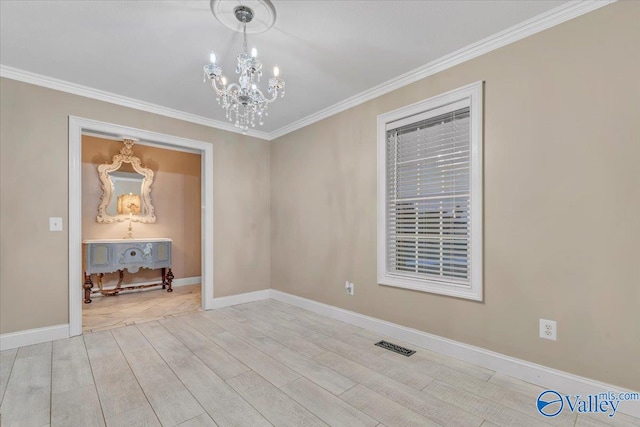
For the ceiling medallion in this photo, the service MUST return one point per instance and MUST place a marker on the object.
(244, 103)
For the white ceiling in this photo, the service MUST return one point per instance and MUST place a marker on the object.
(327, 51)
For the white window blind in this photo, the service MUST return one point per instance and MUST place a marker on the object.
(430, 195)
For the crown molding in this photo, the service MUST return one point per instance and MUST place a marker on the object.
(556, 16)
(100, 95)
(524, 29)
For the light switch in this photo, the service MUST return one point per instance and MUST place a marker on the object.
(55, 224)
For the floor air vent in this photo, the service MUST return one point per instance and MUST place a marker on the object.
(395, 348)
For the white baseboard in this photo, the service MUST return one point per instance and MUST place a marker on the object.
(185, 281)
(542, 376)
(241, 298)
(33, 336)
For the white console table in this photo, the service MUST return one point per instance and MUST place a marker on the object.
(102, 256)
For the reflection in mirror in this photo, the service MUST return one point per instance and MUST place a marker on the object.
(125, 183)
(126, 189)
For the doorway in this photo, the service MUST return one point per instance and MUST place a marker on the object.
(173, 201)
(79, 127)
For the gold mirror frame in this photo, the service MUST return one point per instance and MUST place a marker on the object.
(125, 156)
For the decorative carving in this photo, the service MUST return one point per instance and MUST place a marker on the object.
(88, 284)
(125, 156)
(169, 280)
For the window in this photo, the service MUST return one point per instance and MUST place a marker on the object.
(430, 195)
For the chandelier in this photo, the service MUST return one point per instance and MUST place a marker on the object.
(244, 103)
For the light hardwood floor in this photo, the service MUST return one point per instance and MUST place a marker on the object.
(258, 364)
(128, 308)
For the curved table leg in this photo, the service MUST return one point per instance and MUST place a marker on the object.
(169, 279)
(88, 284)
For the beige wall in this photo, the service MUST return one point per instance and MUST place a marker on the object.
(34, 186)
(175, 195)
(562, 196)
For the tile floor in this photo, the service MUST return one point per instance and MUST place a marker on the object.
(258, 364)
(128, 308)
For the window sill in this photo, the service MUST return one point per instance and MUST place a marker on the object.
(434, 287)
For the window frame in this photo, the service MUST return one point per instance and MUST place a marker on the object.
(474, 291)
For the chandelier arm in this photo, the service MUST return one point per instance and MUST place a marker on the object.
(216, 88)
(232, 86)
(264, 98)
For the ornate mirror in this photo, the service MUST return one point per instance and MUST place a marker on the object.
(126, 189)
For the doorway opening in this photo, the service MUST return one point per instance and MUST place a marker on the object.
(164, 202)
(92, 131)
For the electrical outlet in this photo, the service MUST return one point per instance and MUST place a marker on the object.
(548, 329)
(349, 287)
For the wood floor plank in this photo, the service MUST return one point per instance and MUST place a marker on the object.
(509, 397)
(482, 407)
(27, 400)
(220, 401)
(428, 406)
(311, 369)
(516, 385)
(201, 324)
(117, 387)
(432, 369)
(167, 345)
(35, 350)
(366, 357)
(269, 368)
(263, 323)
(365, 340)
(383, 409)
(432, 357)
(130, 339)
(168, 396)
(142, 416)
(329, 408)
(505, 397)
(357, 337)
(214, 356)
(203, 420)
(76, 407)
(276, 406)
(387, 367)
(7, 357)
(599, 420)
(390, 368)
(70, 365)
(305, 366)
(238, 329)
(233, 313)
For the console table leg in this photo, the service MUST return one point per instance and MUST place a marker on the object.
(169, 279)
(164, 277)
(88, 284)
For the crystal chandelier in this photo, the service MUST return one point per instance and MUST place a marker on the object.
(243, 102)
